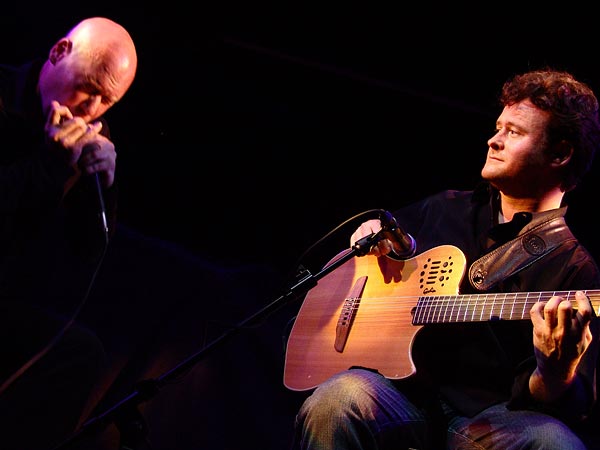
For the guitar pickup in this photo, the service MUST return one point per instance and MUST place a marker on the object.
(348, 313)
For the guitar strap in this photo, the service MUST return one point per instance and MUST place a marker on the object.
(534, 241)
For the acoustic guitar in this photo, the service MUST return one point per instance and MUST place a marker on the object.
(367, 312)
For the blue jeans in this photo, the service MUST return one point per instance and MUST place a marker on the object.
(360, 409)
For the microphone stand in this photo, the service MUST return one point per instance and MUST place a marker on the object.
(125, 413)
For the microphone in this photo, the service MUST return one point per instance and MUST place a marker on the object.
(96, 186)
(407, 246)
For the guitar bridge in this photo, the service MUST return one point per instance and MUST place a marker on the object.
(348, 313)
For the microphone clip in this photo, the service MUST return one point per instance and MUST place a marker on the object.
(403, 244)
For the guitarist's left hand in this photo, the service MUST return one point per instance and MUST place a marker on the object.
(561, 334)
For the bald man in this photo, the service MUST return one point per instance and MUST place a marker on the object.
(54, 145)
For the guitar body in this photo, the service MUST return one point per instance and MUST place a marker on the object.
(360, 314)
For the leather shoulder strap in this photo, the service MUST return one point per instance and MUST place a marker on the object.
(518, 253)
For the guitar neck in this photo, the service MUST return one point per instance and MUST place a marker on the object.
(487, 307)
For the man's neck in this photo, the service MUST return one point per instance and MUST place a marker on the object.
(511, 205)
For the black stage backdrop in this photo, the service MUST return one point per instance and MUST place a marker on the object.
(251, 132)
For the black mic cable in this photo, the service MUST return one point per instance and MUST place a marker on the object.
(97, 187)
(102, 215)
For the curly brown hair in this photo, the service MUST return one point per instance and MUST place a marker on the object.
(573, 109)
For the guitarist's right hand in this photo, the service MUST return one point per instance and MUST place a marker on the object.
(383, 246)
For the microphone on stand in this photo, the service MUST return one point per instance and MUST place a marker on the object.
(404, 244)
(95, 180)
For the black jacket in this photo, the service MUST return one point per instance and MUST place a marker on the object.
(49, 243)
(478, 364)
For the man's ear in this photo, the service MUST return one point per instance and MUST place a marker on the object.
(59, 50)
(561, 153)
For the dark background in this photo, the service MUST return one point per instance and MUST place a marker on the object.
(251, 131)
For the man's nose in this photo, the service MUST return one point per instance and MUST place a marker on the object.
(92, 104)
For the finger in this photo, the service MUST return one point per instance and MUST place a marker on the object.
(565, 314)
(375, 251)
(584, 308)
(70, 131)
(91, 130)
(584, 305)
(551, 308)
(385, 246)
(537, 313)
(58, 114)
(53, 118)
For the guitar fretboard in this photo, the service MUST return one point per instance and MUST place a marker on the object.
(486, 307)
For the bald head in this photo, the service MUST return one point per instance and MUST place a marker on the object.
(106, 42)
(97, 59)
